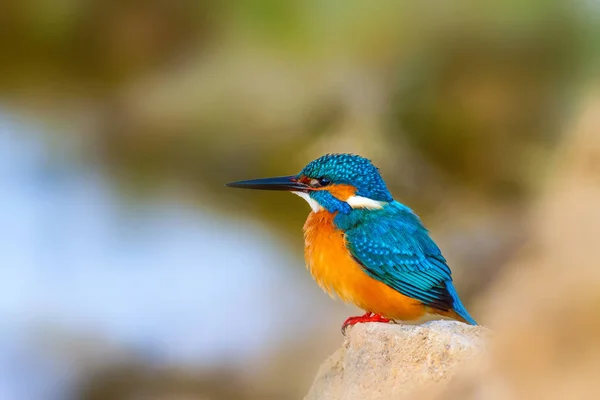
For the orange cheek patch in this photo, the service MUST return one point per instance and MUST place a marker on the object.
(341, 192)
(304, 179)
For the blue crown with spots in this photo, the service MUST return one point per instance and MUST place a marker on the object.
(352, 170)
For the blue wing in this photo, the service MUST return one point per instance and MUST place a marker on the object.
(394, 247)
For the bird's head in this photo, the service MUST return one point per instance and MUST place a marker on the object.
(335, 182)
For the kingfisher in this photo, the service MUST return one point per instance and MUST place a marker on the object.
(367, 248)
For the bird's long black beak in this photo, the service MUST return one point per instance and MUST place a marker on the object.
(288, 183)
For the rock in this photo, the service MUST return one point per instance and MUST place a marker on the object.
(385, 361)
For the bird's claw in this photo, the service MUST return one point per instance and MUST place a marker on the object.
(367, 317)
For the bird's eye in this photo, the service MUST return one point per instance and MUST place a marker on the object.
(319, 182)
(324, 182)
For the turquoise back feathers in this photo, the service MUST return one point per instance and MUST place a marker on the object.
(393, 246)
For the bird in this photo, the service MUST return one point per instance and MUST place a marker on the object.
(366, 248)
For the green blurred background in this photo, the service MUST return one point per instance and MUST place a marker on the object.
(129, 270)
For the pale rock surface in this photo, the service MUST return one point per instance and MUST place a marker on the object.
(395, 361)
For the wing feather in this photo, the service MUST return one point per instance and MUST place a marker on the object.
(393, 246)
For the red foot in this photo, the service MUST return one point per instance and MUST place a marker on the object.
(368, 317)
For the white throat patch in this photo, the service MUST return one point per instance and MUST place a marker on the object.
(312, 202)
(364, 202)
(353, 201)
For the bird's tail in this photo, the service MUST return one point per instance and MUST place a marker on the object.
(459, 312)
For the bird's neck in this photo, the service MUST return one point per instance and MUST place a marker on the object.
(328, 202)
(317, 220)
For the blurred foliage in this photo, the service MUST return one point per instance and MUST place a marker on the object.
(459, 103)
(93, 43)
(135, 381)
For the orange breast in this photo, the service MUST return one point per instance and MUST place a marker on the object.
(332, 266)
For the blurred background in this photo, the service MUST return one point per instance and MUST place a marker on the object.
(128, 271)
